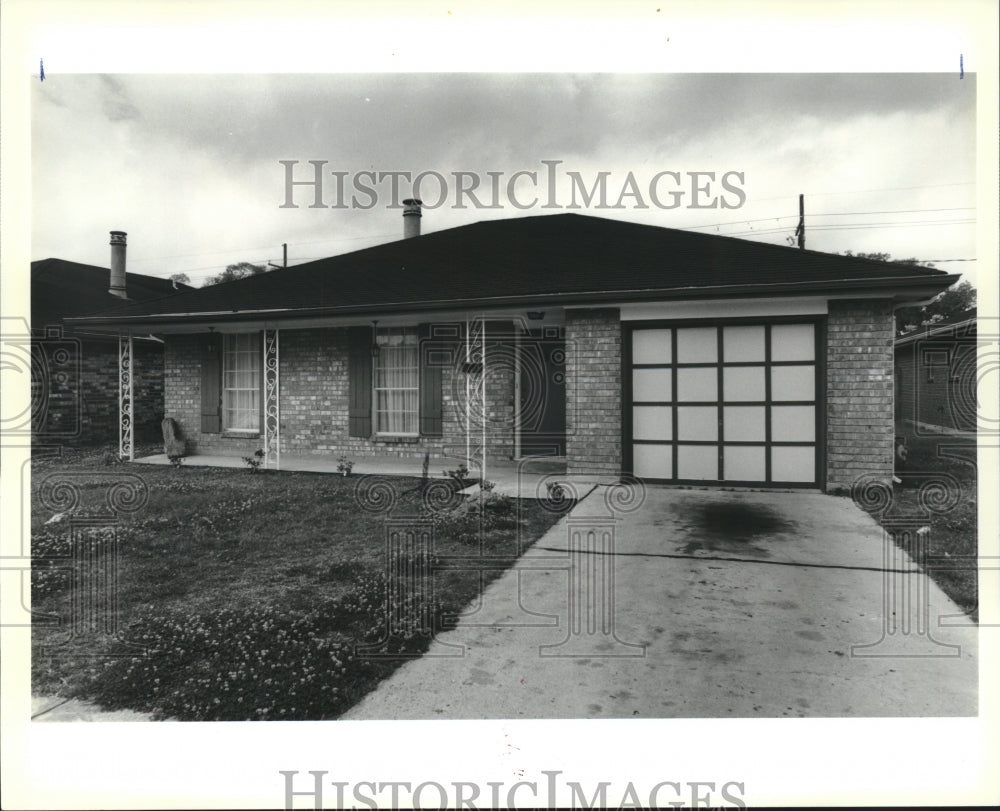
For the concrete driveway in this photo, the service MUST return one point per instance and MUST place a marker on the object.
(699, 604)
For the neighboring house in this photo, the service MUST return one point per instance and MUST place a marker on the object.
(937, 377)
(75, 371)
(626, 349)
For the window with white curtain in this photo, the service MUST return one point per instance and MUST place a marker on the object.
(241, 382)
(397, 381)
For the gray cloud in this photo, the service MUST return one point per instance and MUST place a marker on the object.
(199, 157)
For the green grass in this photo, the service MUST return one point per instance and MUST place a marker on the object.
(250, 592)
(939, 488)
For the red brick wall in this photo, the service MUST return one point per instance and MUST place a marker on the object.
(314, 401)
(859, 382)
(593, 391)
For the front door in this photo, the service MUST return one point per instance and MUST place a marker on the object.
(542, 392)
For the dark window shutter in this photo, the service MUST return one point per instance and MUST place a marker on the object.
(430, 387)
(359, 376)
(211, 384)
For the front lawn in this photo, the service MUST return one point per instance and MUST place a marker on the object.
(244, 596)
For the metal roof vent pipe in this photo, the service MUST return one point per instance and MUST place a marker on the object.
(411, 218)
(118, 264)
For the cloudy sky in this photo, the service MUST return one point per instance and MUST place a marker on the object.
(189, 165)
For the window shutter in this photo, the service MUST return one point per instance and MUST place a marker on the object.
(211, 384)
(430, 387)
(359, 376)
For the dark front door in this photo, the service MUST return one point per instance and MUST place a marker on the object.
(542, 401)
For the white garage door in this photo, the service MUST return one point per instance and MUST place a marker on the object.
(724, 402)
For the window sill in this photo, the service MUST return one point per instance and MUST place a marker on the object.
(397, 439)
(240, 434)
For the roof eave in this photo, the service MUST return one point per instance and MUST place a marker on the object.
(900, 289)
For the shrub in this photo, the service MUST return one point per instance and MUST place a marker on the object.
(254, 462)
(460, 476)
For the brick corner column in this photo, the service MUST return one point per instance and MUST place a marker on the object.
(860, 424)
(594, 391)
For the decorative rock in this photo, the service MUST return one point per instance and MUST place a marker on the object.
(173, 444)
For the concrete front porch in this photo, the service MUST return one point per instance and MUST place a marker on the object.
(524, 478)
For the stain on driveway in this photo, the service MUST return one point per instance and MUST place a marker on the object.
(727, 526)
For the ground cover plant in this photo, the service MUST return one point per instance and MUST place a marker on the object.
(938, 486)
(245, 596)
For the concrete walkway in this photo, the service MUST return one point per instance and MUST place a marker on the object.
(724, 604)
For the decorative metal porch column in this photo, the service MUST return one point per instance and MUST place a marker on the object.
(272, 409)
(126, 448)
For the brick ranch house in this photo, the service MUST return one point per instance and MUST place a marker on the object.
(75, 371)
(626, 349)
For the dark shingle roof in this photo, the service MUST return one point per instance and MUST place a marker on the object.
(562, 258)
(62, 289)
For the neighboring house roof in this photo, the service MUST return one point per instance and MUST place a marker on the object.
(962, 326)
(556, 259)
(62, 289)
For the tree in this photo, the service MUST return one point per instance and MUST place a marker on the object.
(180, 278)
(240, 270)
(957, 301)
(952, 304)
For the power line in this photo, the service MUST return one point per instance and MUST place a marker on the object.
(854, 226)
(831, 214)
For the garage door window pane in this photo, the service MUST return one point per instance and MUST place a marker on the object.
(651, 346)
(652, 461)
(793, 464)
(652, 422)
(697, 385)
(793, 383)
(742, 383)
(743, 344)
(651, 385)
(793, 423)
(793, 342)
(743, 464)
(698, 462)
(697, 345)
(698, 422)
(743, 423)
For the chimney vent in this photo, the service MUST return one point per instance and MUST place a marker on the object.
(411, 218)
(118, 264)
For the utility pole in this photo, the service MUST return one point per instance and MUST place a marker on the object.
(800, 232)
(284, 253)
